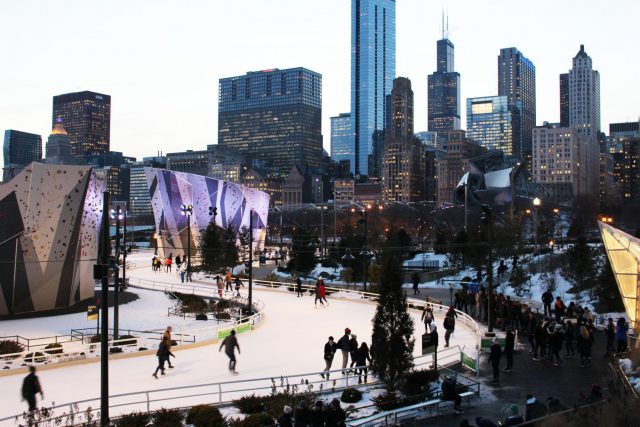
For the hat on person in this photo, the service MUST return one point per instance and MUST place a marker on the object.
(347, 330)
(514, 409)
(287, 409)
(354, 336)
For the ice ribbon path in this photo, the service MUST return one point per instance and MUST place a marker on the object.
(289, 340)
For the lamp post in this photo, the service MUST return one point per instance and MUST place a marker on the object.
(536, 204)
(105, 250)
(348, 257)
(489, 220)
(250, 307)
(117, 215)
(187, 210)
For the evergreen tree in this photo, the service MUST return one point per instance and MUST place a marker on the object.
(230, 250)
(579, 267)
(302, 256)
(211, 249)
(243, 242)
(392, 339)
(606, 292)
(519, 280)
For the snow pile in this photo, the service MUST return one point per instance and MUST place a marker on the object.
(626, 365)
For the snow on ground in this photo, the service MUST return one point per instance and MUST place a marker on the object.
(289, 340)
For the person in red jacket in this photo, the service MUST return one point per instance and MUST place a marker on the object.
(323, 291)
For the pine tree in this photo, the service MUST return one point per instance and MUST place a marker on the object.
(606, 292)
(243, 242)
(211, 249)
(392, 339)
(230, 251)
(579, 268)
(302, 257)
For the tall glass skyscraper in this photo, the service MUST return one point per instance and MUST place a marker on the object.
(373, 68)
(517, 81)
(87, 119)
(342, 139)
(444, 92)
(21, 148)
(273, 116)
(494, 122)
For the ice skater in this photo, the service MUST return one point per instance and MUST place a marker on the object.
(329, 352)
(299, 287)
(345, 346)
(163, 354)
(31, 387)
(318, 295)
(238, 286)
(167, 335)
(230, 343)
(227, 280)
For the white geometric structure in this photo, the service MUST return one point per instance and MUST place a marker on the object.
(624, 254)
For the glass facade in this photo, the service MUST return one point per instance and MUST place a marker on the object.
(444, 92)
(273, 116)
(517, 81)
(21, 148)
(87, 120)
(342, 139)
(494, 123)
(373, 68)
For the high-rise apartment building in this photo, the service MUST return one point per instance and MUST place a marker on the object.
(273, 116)
(564, 100)
(403, 155)
(453, 164)
(517, 81)
(566, 162)
(342, 148)
(444, 92)
(87, 119)
(625, 147)
(19, 150)
(139, 198)
(373, 68)
(494, 123)
(584, 95)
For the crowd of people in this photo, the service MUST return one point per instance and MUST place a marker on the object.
(166, 265)
(360, 355)
(320, 415)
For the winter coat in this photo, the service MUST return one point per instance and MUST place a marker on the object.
(559, 307)
(163, 350)
(448, 389)
(485, 422)
(610, 332)
(344, 343)
(535, 410)
(547, 297)
(329, 350)
(510, 342)
(298, 285)
(334, 417)
(621, 331)
(584, 345)
(302, 417)
(284, 420)
(495, 353)
(513, 420)
(229, 344)
(322, 290)
(353, 346)
(449, 323)
(317, 417)
(31, 385)
(362, 356)
(570, 333)
(556, 340)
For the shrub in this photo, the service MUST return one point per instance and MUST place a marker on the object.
(35, 357)
(9, 347)
(351, 395)
(201, 316)
(134, 419)
(416, 384)
(115, 350)
(95, 339)
(167, 418)
(205, 416)
(53, 348)
(250, 404)
(222, 304)
(271, 404)
(388, 401)
(254, 420)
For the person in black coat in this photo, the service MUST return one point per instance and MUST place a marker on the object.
(329, 352)
(345, 347)
(535, 409)
(353, 348)
(362, 357)
(285, 420)
(509, 346)
(31, 387)
(317, 415)
(335, 416)
(230, 343)
(547, 299)
(299, 287)
(495, 353)
(163, 354)
(302, 416)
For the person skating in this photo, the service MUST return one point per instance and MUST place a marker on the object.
(449, 325)
(610, 333)
(227, 281)
(323, 291)
(317, 294)
(416, 282)
(285, 420)
(230, 343)
(178, 261)
(344, 346)
(427, 317)
(531, 334)
(509, 346)
(220, 289)
(353, 348)
(182, 270)
(299, 287)
(329, 352)
(362, 358)
(547, 299)
(167, 335)
(163, 354)
(335, 416)
(167, 263)
(239, 285)
(495, 353)
(30, 388)
(621, 334)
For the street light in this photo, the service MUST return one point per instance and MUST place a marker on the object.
(187, 210)
(348, 257)
(488, 216)
(117, 215)
(536, 204)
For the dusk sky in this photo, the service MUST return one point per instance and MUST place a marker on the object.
(161, 61)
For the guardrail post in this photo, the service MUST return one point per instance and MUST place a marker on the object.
(219, 393)
(148, 402)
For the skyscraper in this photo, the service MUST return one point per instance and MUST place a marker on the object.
(564, 100)
(87, 120)
(273, 116)
(342, 139)
(494, 123)
(20, 149)
(584, 95)
(58, 149)
(373, 68)
(444, 91)
(403, 157)
(517, 81)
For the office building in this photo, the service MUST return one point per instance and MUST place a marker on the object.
(342, 147)
(444, 92)
(87, 119)
(517, 81)
(403, 161)
(624, 144)
(273, 116)
(19, 150)
(584, 95)
(59, 150)
(453, 165)
(494, 123)
(373, 68)
(566, 162)
(139, 201)
(564, 100)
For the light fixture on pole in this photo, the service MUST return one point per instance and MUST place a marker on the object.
(117, 215)
(536, 204)
(187, 210)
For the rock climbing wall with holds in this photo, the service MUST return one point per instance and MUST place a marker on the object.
(50, 244)
(170, 190)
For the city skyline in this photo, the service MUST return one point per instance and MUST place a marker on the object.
(175, 57)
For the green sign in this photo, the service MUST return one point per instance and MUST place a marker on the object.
(486, 342)
(242, 327)
(468, 361)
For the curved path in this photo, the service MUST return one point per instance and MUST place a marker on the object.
(288, 340)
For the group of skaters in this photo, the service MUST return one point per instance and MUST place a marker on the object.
(166, 265)
(228, 284)
(319, 291)
(449, 323)
(359, 355)
(319, 415)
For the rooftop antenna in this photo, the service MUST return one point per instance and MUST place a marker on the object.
(447, 24)
(443, 23)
